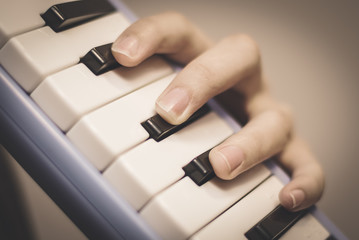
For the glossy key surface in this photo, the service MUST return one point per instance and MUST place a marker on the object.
(43, 52)
(19, 16)
(69, 94)
(153, 166)
(158, 128)
(307, 228)
(100, 59)
(116, 127)
(237, 220)
(200, 169)
(275, 224)
(72, 13)
(234, 223)
(184, 208)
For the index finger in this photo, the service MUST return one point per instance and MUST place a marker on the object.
(167, 33)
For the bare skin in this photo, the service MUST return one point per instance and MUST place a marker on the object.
(231, 69)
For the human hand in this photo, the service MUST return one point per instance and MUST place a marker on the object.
(231, 69)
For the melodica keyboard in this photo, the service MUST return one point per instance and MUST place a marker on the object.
(85, 129)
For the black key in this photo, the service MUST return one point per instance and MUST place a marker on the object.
(275, 224)
(200, 169)
(159, 129)
(65, 15)
(100, 59)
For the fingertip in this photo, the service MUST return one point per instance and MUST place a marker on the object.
(125, 50)
(226, 160)
(219, 165)
(166, 115)
(293, 200)
(173, 105)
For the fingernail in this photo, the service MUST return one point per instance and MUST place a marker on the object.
(298, 197)
(127, 46)
(174, 102)
(232, 156)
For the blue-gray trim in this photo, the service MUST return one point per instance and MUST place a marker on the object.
(64, 174)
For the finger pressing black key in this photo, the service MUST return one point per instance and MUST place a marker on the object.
(100, 59)
(159, 129)
(200, 169)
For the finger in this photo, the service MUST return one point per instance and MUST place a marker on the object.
(307, 184)
(167, 33)
(262, 137)
(219, 68)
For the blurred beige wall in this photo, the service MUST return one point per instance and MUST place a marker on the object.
(310, 53)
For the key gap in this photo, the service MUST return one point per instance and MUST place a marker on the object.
(55, 10)
(225, 210)
(170, 185)
(100, 105)
(122, 153)
(125, 94)
(164, 189)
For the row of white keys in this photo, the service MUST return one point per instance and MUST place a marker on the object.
(110, 130)
(237, 220)
(42, 52)
(69, 94)
(184, 208)
(19, 16)
(153, 166)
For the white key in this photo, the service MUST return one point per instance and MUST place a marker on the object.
(307, 228)
(116, 127)
(43, 52)
(19, 16)
(69, 94)
(184, 208)
(237, 220)
(152, 166)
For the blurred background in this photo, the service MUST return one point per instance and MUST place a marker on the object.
(310, 53)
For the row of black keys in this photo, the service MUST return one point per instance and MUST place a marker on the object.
(100, 60)
(274, 225)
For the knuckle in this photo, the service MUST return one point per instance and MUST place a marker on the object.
(153, 23)
(246, 42)
(285, 113)
(178, 35)
(281, 114)
(176, 16)
(203, 72)
(150, 25)
(173, 17)
(282, 118)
